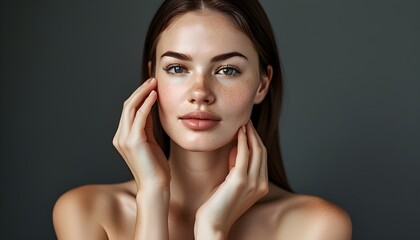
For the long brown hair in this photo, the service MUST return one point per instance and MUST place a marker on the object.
(250, 18)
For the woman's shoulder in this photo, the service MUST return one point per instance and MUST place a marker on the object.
(89, 209)
(285, 215)
(92, 196)
(298, 216)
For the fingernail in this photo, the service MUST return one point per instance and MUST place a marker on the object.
(153, 80)
(244, 129)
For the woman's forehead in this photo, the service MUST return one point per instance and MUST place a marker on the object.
(204, 31)
(211, 17)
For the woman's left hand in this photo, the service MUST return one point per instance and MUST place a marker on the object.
(245, 184)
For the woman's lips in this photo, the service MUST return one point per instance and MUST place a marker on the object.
(200, 121)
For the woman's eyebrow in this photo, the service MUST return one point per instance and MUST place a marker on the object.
(228, 55)
(217, 58)
(177, 55)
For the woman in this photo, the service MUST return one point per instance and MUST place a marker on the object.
(202, 169)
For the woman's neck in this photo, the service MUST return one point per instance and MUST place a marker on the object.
(195, 176)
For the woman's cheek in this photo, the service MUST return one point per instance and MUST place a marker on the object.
(169, 92)
(168, 104)
(240, 102)
(164, 94)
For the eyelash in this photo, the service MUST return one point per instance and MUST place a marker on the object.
(171, 67)
(229, 67)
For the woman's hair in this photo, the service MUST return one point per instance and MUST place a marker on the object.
(250, 18)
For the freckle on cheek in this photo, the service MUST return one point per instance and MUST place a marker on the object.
(240, 100)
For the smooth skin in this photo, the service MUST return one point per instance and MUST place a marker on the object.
(214, 184)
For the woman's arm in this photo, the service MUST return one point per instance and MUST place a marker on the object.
(245, 184)
(152, 214)
(78, 213)
(136, 143)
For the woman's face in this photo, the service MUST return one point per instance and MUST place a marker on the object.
(208, 80)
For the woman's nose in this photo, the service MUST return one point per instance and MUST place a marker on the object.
(201, 92)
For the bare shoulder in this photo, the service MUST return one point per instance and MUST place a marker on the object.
(310, 217)
(89, 212)
(284, 215)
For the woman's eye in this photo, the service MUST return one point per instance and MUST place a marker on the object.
(175, 69)
(230, 71)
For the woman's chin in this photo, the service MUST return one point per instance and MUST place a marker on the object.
(201, 145)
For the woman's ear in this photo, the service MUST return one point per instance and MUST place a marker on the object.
(149, 66)
(264, 85)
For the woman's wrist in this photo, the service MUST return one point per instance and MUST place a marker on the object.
(207, 231)
(152, 191)
(152, 214)
(153, 200)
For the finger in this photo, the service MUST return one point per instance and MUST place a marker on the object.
(142, 116)
(137, 132)
(242, 157)
(116, 142)
(150, 135)
(256, 152)
(123, 130)
(132, 104)
(263, 174)
(232, 156)
(119, 140)
(145, 84)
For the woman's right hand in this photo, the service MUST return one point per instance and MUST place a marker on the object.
(136, 143)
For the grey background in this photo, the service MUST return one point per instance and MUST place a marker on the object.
(350, 125)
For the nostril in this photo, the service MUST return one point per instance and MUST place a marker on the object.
(202, 99)
(201, 95)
